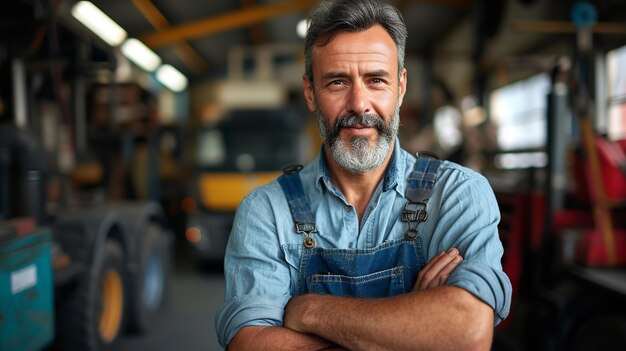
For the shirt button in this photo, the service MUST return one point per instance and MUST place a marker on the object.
(347, 208)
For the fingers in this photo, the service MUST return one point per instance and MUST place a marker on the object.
(445, 272)
(438, 269)
(427, 267)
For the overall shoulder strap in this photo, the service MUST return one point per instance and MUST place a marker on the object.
(299, 207)
(422, 178)
(418, 190)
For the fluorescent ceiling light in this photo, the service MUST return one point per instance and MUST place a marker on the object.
(141, 55)
(94, 19)
(171, 78)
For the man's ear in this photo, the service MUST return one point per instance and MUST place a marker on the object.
(309, 93)
(402, 86)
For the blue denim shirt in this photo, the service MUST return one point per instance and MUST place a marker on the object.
(263, 253)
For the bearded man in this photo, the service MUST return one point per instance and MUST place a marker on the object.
(367, 247)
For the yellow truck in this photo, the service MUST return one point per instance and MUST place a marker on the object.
(245, 149)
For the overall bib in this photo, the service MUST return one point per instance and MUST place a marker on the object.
(388, 269)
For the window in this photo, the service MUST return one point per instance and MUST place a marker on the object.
(616, 77)
(519, 112)
(252, 140)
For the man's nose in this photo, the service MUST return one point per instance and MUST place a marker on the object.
(359, 99)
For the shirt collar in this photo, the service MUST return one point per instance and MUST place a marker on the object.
(390, 181)
(322, 174)
(395, 170)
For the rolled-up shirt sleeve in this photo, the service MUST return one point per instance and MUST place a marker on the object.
(257, 276)
(468, 220)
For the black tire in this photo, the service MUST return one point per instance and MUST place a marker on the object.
(150, 286)
(92, 316)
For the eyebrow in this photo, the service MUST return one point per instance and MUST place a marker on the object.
(377, 73)
(342, 74)
(334, 74)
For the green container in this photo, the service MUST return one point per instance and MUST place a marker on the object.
(26, 292)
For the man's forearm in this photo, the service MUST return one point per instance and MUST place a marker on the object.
(277, 338)
(444, 318)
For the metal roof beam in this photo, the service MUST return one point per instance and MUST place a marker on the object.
(257, 32)
(190, 57)
(560, 27)
(224, 22)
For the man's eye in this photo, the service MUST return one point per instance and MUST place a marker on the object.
(336, 82)
(377, 81)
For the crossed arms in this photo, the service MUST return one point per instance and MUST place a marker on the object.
(432, 316)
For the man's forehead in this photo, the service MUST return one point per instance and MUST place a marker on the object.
(373, 44)
(348, 39)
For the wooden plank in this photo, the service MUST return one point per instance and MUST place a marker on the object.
(601, 213)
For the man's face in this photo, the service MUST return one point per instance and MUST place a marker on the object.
(357, 94)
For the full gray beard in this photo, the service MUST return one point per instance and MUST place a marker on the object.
(359, 156)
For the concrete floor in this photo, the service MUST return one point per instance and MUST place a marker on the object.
(187, 322)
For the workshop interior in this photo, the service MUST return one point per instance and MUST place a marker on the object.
(130, 130)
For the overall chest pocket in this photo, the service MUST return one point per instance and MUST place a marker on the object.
(383, 283)
(386, 270)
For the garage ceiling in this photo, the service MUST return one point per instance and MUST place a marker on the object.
(195, 37)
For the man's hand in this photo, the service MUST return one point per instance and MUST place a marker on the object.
(438, 269)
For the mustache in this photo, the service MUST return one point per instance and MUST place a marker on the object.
(366, 120)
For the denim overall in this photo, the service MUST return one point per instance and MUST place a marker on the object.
(385, 270)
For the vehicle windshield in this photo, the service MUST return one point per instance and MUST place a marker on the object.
(251, 141)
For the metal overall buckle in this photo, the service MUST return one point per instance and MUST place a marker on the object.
(307, 229)
(413, 214)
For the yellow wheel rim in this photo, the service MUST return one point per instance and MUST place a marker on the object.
(112, 306)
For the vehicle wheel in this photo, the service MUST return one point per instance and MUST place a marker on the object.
(92, 315)
(150, 285)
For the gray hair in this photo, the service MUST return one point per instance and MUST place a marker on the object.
(335, 16)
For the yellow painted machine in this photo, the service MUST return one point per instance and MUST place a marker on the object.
(246, 149)
(222, 191)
